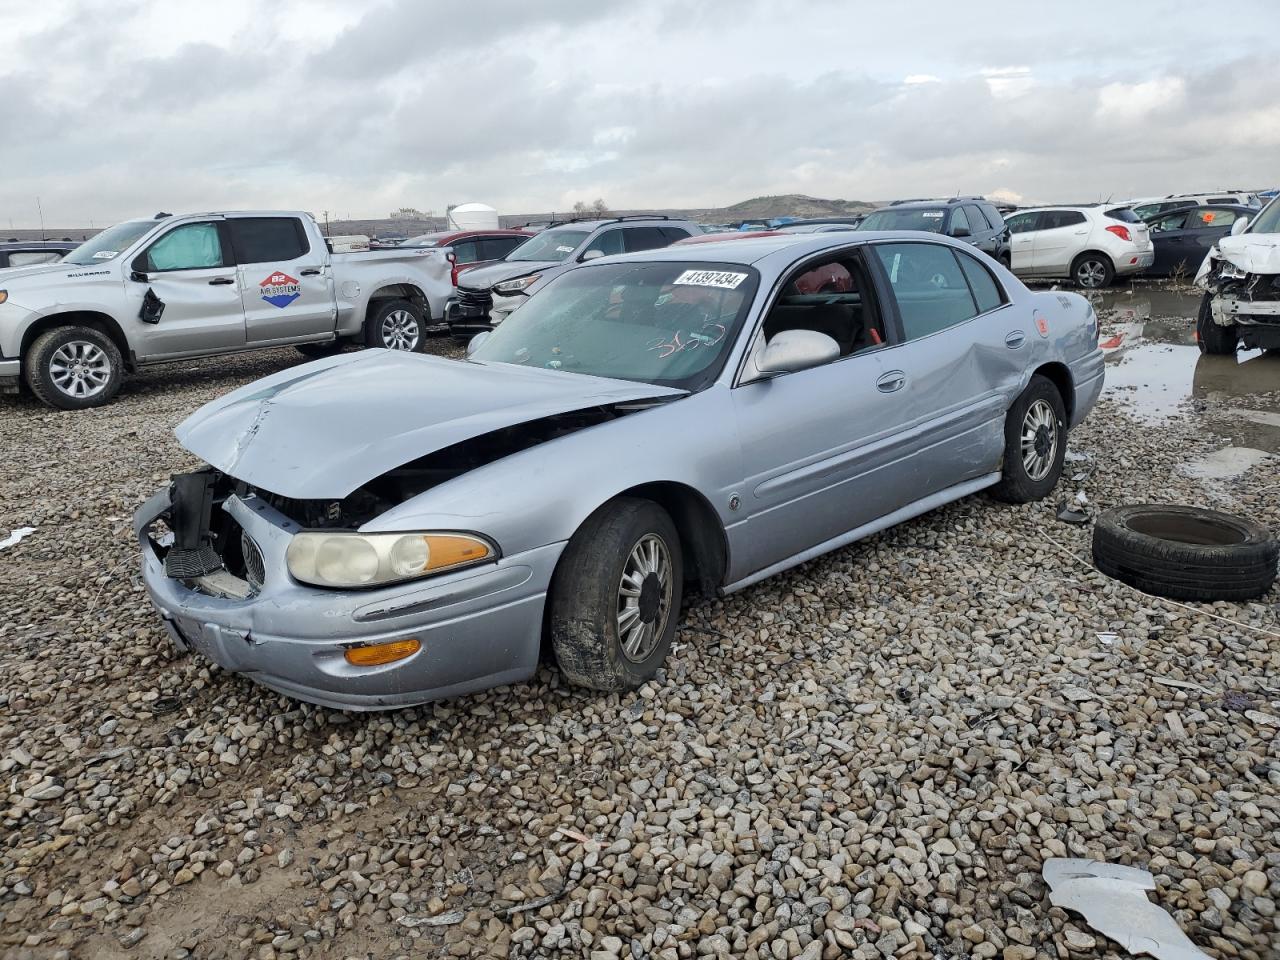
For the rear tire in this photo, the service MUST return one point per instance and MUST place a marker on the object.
(613, 611)
(1185, 553)
(397, 325)
(1212, 337)
(74, 368)
(1035, 443)
(1092, 271)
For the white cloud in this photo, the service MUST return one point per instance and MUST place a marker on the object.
(1127, 102)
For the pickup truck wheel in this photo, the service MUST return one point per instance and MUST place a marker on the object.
(1092, 271)
(397, 325)
(1035, 443)
(616, 596)
(1214, 337)
(73, 368)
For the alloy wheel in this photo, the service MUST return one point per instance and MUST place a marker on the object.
(1091, 273)
(1039, 440)
(400, 330)
(644, 598)
(80, 369)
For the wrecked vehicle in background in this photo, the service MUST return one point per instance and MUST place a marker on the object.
(382, 529)
(1241, 280)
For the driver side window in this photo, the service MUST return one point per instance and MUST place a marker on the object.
(608, 243)
(192, 246)
(832, 296)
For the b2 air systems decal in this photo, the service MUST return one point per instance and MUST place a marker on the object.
(280, 289)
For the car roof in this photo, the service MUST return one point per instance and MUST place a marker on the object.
(754, 249)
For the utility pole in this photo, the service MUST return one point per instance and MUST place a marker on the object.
(326, 223)
(40, 210)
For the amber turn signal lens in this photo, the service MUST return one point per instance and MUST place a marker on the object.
(377, 654)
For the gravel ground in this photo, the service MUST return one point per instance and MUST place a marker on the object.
(869, 756)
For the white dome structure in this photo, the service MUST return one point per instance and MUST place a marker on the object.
(473, 216)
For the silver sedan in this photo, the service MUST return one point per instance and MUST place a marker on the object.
(381, 529)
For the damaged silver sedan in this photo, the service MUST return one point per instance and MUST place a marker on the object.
(382, 529)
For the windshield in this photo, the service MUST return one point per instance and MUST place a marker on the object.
(914, 219)
(1268, 221)
(109, 243)
(426, 240)
(665, 323)
(549, 245)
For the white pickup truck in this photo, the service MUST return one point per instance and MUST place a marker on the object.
(175, 288)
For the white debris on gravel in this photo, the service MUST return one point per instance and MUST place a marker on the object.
(871, 756)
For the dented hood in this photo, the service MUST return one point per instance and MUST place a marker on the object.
(1250, 252)
(319, 431)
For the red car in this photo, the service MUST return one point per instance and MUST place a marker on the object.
(472, 248)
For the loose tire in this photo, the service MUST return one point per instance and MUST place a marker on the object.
(397, 325)
(1213, 337)
(1092, 271)
(1035, 443)
(615, 599)
(1185, 553)
(74, 368)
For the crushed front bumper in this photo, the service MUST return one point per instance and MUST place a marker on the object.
(465, 319)
(479, 627)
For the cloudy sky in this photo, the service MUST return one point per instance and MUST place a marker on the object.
(111, 110)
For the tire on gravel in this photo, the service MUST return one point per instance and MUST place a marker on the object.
(81, 341)
(582, 615)
(404, 314)
(1185, 553)
(1016, 483)
(1212, 337)
(1099, 272)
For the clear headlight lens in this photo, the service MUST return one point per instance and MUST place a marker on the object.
(515, 286)
(346, 560)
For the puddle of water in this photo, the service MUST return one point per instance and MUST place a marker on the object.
(1139, 302)
(1226, 463)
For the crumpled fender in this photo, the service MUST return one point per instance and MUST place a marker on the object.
(1249, 252)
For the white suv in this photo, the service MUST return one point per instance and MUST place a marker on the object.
(1091, 245)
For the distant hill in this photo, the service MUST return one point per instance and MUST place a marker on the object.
(757, 208)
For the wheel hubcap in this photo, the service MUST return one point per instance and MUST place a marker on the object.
(1091, 273)
(400, 330)
(80, 369)
(1039, 440)
(644, 598)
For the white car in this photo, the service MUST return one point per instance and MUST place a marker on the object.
(1091, 245)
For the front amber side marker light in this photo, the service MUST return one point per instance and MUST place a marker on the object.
(379, 654)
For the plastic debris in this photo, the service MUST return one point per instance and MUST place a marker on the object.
(1107, 639)
(1113, 900)
(440, 920)
(1068, 513)
(20, 534)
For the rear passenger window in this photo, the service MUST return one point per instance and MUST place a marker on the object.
(930, 289)
(1055, 219)
(960, 225)
(674, 234)
(983, 286)
(464, 252)
(267, 239)
(644, 238)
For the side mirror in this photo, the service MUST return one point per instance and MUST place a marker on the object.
(592, 255)
(960, 232)
(137, 276)
(474, 343)
(1239, 226)
(793, 350)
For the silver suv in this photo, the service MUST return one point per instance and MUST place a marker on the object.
(487, 294)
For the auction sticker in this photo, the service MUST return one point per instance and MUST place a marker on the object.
(280, 289)
(710, 278)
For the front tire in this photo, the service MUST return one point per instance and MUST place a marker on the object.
(1035, 443)
(1212, 337)
(615, 599)
(74, 368)
(1092, 271)
(397, 325)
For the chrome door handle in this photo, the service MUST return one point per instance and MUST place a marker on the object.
(1014, 340)
(891, 382)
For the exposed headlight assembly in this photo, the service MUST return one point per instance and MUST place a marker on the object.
(347, 560)
(517, 285)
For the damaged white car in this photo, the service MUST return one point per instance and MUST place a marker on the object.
(1241, 280)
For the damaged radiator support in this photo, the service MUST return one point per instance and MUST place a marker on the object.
(192, 554)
